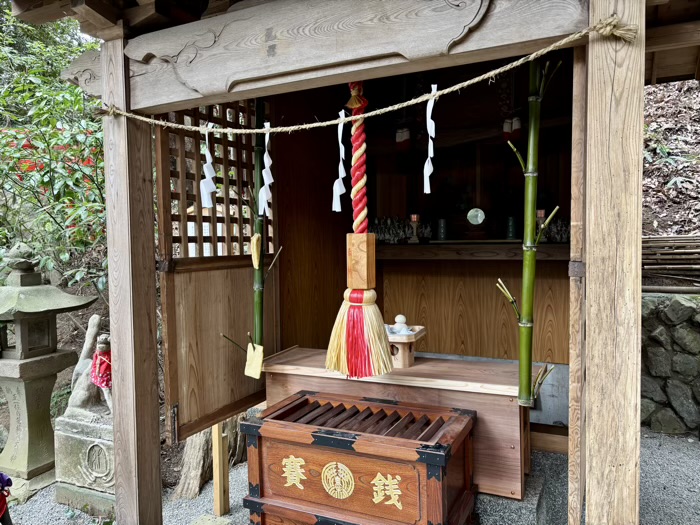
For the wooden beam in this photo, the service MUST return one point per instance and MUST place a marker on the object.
(156, 86)
(675, 36)
(106, 33)
(132, 298)
(98, 12)
(41, 11)
(144, 13)
(613, 268)
(577, 435)
(549, 438)
(266, 48)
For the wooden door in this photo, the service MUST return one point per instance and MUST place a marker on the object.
(206, 272)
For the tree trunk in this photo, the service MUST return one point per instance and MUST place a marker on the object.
(197, 466)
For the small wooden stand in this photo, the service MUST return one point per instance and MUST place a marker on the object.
(403, 346)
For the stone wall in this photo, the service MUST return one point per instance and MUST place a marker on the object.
(671, 363)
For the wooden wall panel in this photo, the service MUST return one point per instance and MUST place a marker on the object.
(312, 263)
(466, 314)
(210, 303)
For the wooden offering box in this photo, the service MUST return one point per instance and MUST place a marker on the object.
(327, 459)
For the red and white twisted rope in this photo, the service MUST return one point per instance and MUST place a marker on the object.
(358, 170)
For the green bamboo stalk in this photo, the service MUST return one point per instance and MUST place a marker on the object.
(525, 397)
(258, 225)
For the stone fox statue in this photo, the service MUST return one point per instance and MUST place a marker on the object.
(88, 395)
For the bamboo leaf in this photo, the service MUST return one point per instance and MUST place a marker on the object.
(504, 290)
(542, 376)
(272, 264)
(548, 80)
(545, 224)
(517, 154)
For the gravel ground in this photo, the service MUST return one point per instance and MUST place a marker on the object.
(670, 480)
(670, 490)
(175, 512)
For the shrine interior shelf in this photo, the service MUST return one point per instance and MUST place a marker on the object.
(469, 250)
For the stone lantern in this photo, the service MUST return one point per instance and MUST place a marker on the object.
(28, 367)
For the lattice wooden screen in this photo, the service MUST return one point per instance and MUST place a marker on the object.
(190, 230)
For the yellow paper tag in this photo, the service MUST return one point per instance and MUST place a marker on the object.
(254, 361)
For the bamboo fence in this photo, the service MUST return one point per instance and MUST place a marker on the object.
(673, 256)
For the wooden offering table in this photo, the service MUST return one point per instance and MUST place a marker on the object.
(501, 443)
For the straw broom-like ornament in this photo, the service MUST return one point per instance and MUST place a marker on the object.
(359, 346)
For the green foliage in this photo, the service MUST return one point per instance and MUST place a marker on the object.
(59, 401)
(657, 151)
(51, 151)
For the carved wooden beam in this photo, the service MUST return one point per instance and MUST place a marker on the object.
(263, 48)
(86, 72)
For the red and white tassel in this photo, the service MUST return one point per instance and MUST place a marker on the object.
(358, 335)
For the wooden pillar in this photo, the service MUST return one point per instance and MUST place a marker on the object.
(613, 267)
(577, 359)
(219, 443)
(132, 300)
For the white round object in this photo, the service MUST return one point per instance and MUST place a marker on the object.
(400, 327)
(476, 216)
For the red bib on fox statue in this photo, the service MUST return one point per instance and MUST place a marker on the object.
(101, 374)
(359, 346)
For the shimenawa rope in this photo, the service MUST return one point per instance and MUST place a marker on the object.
(611, 26)
(358, 171)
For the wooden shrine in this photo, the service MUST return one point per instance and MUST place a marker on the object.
(323, 458)
(199, 63)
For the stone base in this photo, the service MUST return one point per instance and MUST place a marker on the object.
(85, 453)
(29, 449)
(23, 489)
(208, 519)
(92, 502)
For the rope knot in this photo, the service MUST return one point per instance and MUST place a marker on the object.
(356, 98)
(612, 26)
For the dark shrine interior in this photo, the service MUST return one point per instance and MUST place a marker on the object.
(473, 168)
